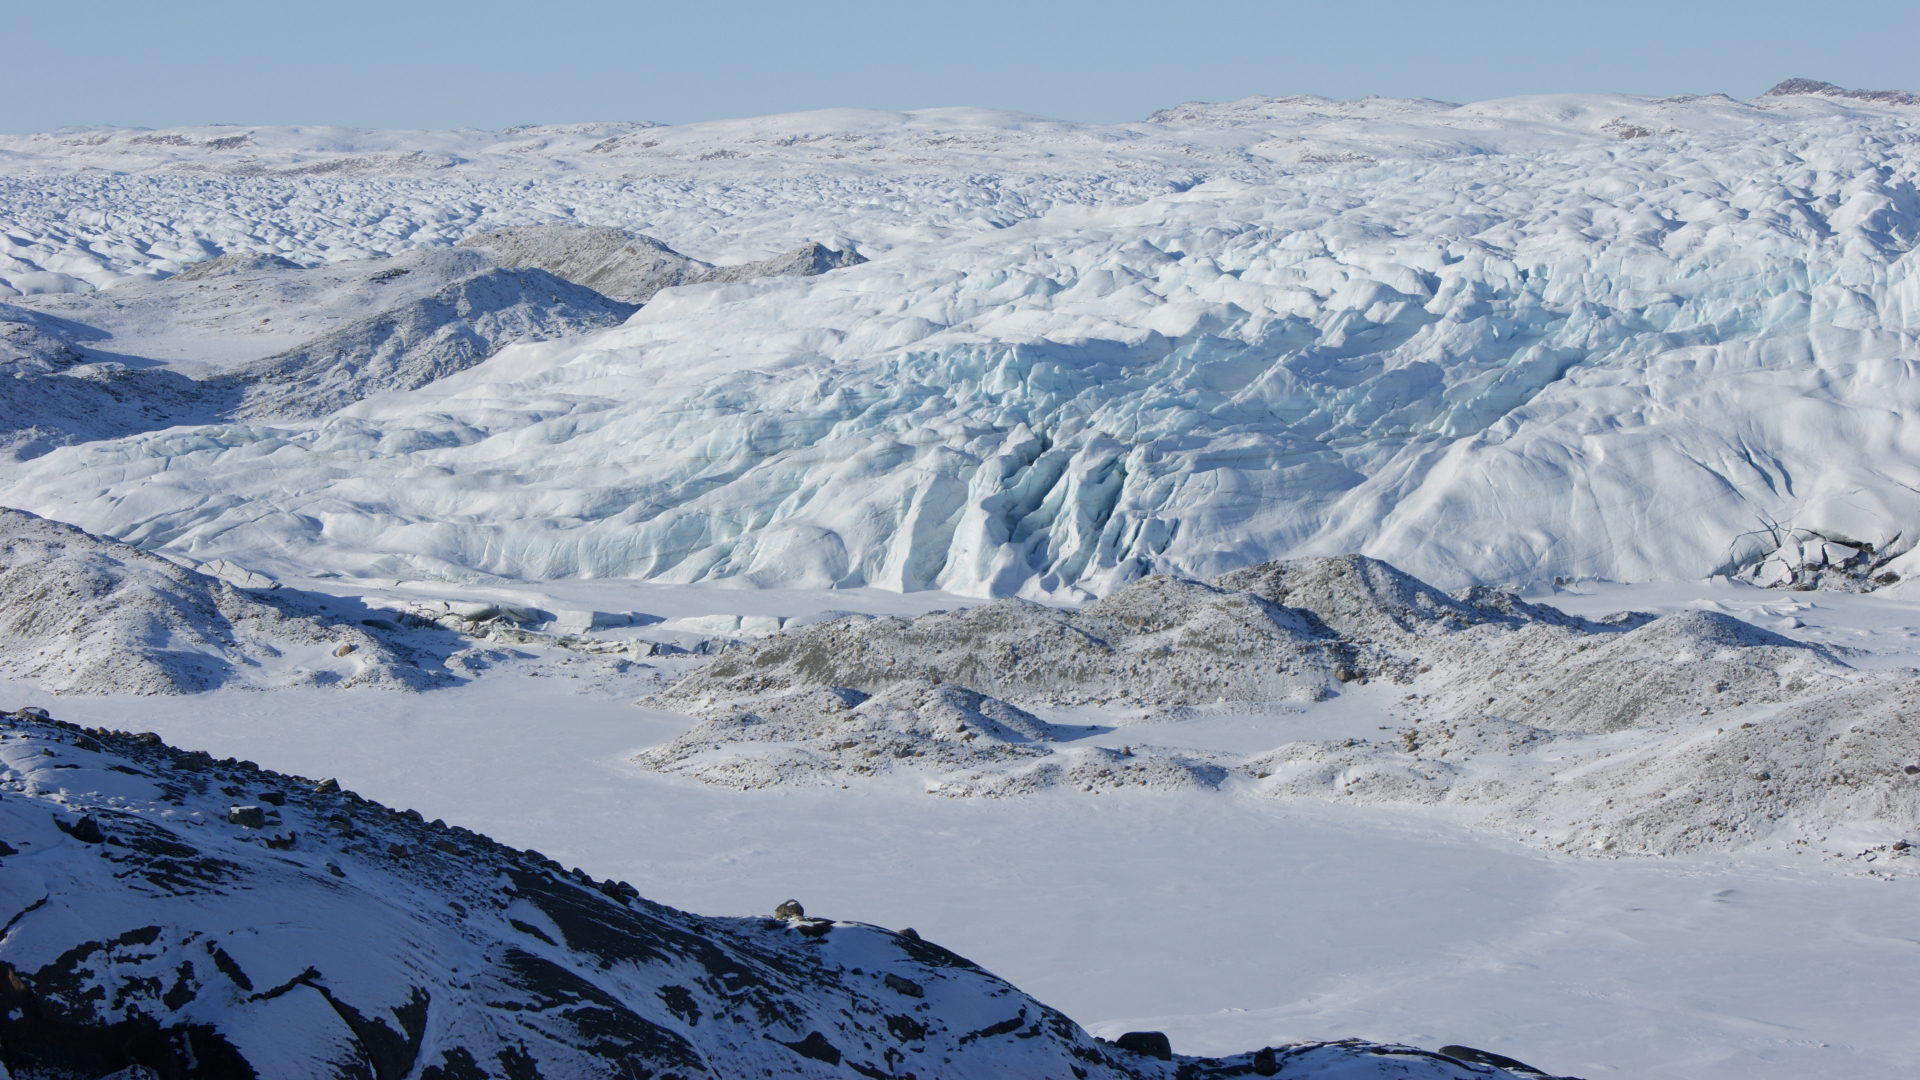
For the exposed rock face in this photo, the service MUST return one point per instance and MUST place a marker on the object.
(1793, 87)
(631, 267)
(79, 614)
(147, 935)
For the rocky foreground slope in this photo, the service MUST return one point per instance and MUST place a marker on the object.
(169, 914)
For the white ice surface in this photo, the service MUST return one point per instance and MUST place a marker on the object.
(1225, 921)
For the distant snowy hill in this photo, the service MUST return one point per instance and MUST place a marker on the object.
(1569, 336)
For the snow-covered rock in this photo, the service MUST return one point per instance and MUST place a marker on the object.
(83, 615)
(168, 913)
(1725, 778)
(72, 383)
(412, 345)
(1596, 737)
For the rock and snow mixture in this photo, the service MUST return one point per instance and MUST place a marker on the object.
(1575, 336)
(170, 914)
(80, 614)
(1630, 734)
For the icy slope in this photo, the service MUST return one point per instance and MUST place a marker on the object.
(1527, 339)
(167, 911)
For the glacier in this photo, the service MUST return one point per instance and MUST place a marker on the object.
(1575, 337)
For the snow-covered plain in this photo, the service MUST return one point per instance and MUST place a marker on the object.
(1556, 343)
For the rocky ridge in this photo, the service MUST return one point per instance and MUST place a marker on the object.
(147, 893)
(632, 267)
(68, 388)
(1606, 735)
(528, 284)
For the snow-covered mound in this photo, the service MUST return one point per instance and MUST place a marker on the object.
(83, 615)
(169, 913)
(1576, 336)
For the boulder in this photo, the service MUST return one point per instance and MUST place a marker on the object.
(1151, 1044)
(86, 830)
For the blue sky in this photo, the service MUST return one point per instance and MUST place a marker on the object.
(426, 63)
